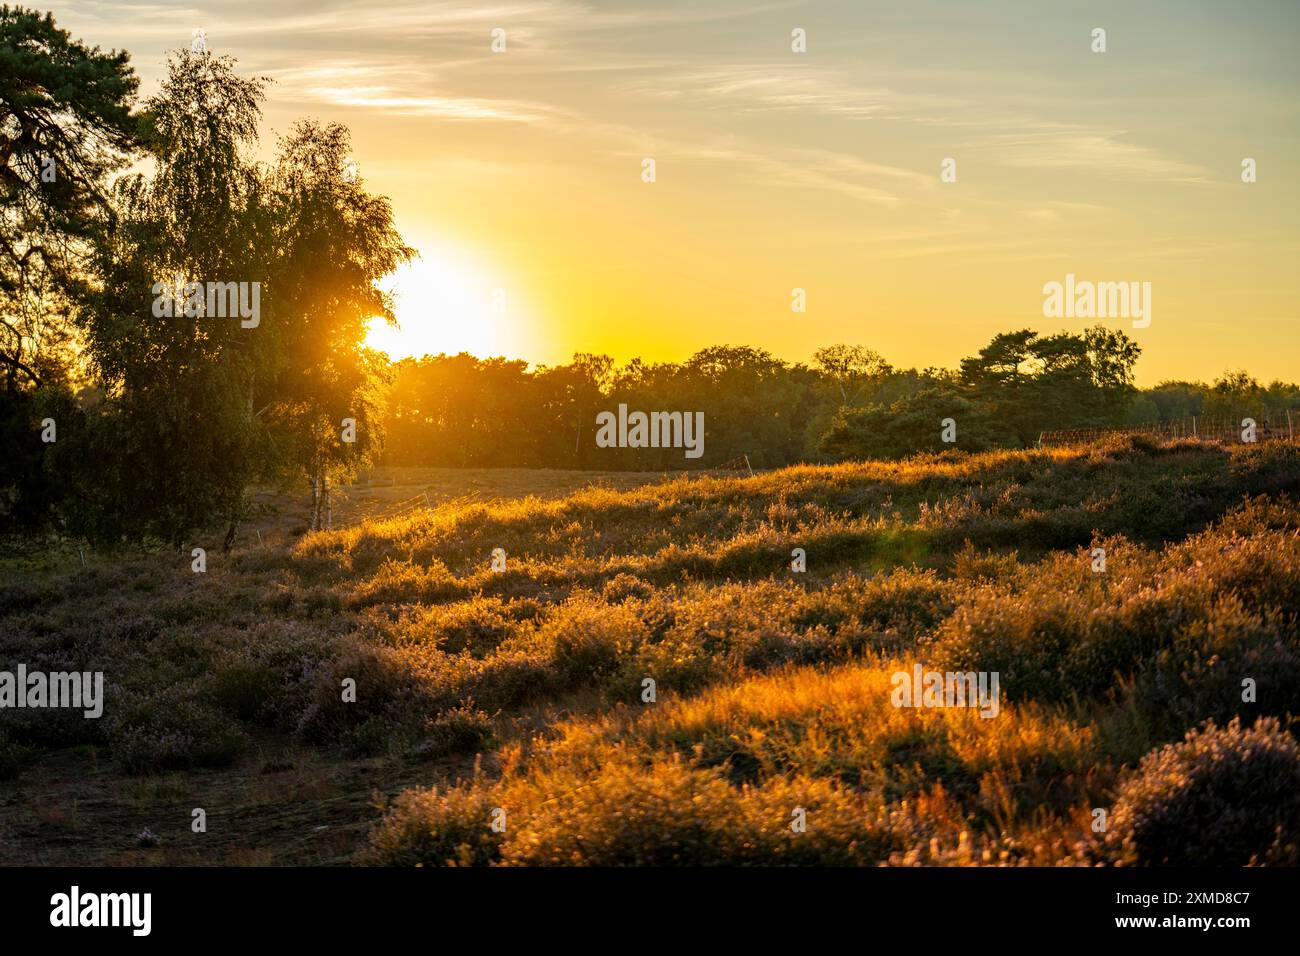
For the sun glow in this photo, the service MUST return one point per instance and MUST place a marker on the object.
(445, 303)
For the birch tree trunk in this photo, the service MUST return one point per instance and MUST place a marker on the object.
(329, 506)
(315, 500)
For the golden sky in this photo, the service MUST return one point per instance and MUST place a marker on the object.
(518, 174)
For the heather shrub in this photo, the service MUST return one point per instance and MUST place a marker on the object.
(246, 689)
(1201, 674)
(773, 686)
(587, 639)
(1262, 569)
(389, 698)
(1261, 513)
(624, 586)
(1024, 637)
(173, 731)
(969, 564)
(50, 728)
(432, 828)
(476, 626)
(402, 582)
(513, 677)
(1222, 797)
(456, 731)
(666, 814)
(715, 780)
(677, 661)
(884, 612)
(1188, 623)
(670, 814)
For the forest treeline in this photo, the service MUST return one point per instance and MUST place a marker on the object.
(847, 402)
(181, 321)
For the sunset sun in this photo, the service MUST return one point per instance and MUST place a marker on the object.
(448, 302)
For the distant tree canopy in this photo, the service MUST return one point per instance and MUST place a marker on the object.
(462, 411)
(916, 424)
(849, 402)
(1032, 383)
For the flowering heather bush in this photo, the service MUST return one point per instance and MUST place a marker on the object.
(1221, 797)
(170, 732)
(428, 828)
(1188, 624)
(715, 779)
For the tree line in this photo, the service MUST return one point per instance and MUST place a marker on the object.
(847, 402)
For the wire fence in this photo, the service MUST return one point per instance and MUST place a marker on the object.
(1222, 431)
(740, 463)
(355, 512)
(348, 512)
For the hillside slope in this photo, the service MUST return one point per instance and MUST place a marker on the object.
(772, 688)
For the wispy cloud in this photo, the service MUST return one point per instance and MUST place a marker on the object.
(405, 21)
(385, 100)
(765, 87)
(398, 89)
(1034, 144)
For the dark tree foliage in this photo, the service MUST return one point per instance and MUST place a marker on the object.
(1033, 383)
(65, 125)
(179, 434)
(916, 424)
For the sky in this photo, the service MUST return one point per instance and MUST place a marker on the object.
(519, 174)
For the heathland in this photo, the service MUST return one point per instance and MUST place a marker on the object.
(1138, 600)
